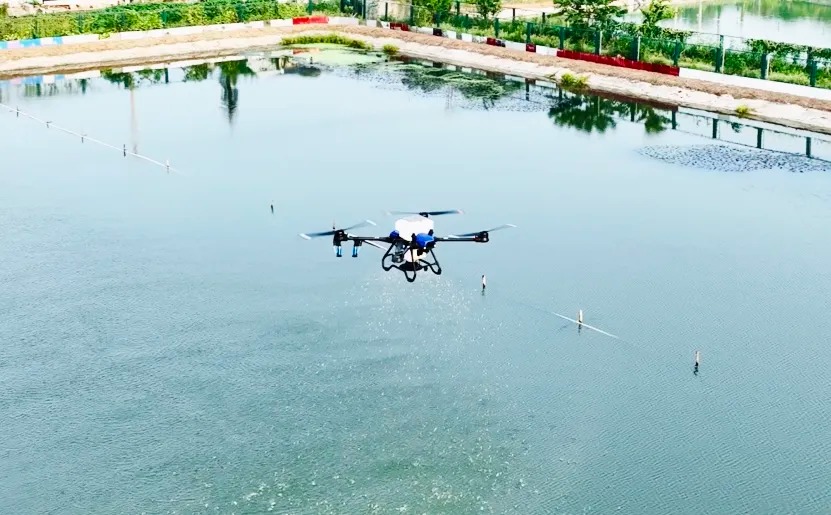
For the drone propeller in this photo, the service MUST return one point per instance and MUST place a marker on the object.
(310, 235)
(472, 234)
(428, 213)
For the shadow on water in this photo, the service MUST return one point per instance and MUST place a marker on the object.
(768, 146)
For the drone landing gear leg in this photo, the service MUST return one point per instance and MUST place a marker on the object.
(387, 255)
(415, 266)
(435, 267)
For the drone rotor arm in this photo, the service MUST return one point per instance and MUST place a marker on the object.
(478, 233)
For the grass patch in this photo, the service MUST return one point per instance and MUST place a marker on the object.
(331, 39)
(743, 111)
(574, 82)
(390, 49)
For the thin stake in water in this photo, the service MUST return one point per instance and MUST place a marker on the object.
(580, 323)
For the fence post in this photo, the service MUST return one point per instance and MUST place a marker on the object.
(310, 7)
(35, 28)
(720, 55)
(528, 32)
(386, 11)
(676, 53)
(812, 73)
(81, 22)
(543, 17)
(636, 49)
(458, 8)
(562, 34)
(765, 66)
(513, 16)
(598, 41)
(496, 27)
(363, 10)
(412, 14)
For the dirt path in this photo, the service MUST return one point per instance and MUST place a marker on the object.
(781, 108)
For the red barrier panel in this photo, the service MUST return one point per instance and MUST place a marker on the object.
(309, 19)
(400, 26)
(530, 47)
(619, 61)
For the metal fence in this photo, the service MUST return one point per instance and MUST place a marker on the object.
(709, 52)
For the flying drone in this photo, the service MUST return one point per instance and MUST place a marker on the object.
(410, 244)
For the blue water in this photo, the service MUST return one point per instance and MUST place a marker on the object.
(167, 345)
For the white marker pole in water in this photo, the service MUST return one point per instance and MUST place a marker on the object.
(697, 358)
(581, 324)
(484, 282)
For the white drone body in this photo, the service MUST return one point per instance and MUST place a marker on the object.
(410, 225)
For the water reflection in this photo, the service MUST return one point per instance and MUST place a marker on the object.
(462, 89)
(795, 22)
(229, 74)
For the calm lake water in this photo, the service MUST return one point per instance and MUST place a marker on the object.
(804, 23)
(167, 345)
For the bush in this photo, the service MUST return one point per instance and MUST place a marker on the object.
(576, 83)
(390, 49)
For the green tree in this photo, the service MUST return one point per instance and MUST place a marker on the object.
(585, 14)
(488, 8)
(437, 9)
(654, 13)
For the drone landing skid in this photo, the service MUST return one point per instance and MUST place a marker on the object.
(410, 268)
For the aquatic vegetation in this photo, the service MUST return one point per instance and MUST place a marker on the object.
(723, 158)
(471, 86)
(330, 39)
(390, 49)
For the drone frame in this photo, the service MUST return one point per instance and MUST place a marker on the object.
(420, 246)
(399, 246)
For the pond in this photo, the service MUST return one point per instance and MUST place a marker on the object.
(170, 345)
(803, 23)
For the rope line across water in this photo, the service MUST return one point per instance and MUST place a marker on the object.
(84, 138)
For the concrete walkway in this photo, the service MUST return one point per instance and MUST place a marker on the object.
(766, 85)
